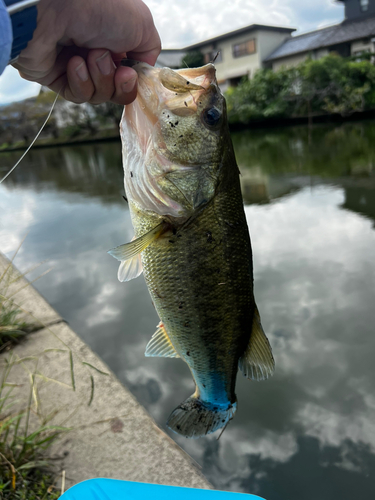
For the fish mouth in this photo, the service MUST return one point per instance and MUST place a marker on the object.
(176, 90)
(148, 152)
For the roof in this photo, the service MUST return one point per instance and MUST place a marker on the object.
(241, 31)
(170, 58)
(326, 37)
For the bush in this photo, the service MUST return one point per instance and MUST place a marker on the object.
(329, 85)
(193, 59)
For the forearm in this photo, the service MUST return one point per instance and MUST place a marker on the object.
(5, 37)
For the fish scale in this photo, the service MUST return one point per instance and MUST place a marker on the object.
(182, 183)
(206, 266)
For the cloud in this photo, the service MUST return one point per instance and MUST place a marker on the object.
(15, 88)
(181, 23)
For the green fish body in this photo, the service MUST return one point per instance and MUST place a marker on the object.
(193, 244)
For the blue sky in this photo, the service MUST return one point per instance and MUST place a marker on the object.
(182, 22)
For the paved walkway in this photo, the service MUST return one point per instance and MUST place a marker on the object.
(114, 437)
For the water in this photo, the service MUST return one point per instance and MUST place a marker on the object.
(309, 432)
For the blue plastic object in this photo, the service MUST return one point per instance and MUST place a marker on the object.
(114, 489)
(23, 25)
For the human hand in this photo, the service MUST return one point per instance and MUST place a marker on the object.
(77, 45)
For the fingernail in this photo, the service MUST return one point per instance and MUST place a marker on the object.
(129, 85)
(82, 72)
(105, 63)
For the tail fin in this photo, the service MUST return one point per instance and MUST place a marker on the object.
(195, 418)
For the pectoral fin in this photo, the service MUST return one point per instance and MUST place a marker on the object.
(257, 362)
(161, 345)
(129, 254)
(130, 269)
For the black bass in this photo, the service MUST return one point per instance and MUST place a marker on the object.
(191, 240)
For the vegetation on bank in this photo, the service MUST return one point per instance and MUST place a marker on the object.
(21, 121)
(331, 85)
(27, 420)
(25, 473)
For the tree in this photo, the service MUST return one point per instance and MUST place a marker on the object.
(328, 85)
(109, 111)
(193, 59)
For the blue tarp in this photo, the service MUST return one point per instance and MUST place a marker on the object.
(114, 489)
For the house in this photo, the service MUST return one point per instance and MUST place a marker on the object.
(243, 51)
(238, 53)
(355, 35)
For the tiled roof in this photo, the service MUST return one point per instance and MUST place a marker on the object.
(241, 31)
(326, 37)
(170, 58)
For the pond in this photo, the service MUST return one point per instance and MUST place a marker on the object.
(309, 431)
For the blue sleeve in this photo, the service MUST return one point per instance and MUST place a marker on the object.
(6, 37)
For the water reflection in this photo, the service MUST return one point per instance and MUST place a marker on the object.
(309, 432)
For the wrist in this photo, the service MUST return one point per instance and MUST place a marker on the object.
(23, 15)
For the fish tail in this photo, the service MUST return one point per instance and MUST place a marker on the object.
(195, 418)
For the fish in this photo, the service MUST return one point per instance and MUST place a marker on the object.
(191, 240)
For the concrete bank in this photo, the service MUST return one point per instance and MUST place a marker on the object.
(114, 437)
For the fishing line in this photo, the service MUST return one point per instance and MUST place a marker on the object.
(35, 138)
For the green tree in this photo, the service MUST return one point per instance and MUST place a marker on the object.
(328, 85)
(193, 59)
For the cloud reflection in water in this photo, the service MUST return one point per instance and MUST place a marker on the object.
(309, 432)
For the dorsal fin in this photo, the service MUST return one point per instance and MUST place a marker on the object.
(257, 362)
(160, 345)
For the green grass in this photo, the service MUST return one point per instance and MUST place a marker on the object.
(13, 326)
(25, 473)
(26, 432)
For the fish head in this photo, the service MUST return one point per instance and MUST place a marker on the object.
(173, 139)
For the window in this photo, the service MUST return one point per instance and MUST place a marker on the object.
(364, 5)
(244, 49)
(360, 54)
(210, 56)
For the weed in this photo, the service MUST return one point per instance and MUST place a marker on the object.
(13, 326)
(25, 432)
(24, 471)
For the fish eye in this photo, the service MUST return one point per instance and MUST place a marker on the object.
(211, 117)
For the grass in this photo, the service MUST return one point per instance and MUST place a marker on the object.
(25, 473)
(13, 326)
(26, 432)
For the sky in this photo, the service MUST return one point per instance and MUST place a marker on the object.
(182, 23)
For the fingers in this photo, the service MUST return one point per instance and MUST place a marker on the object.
(126, 85)
(96, 80)
(79, 87)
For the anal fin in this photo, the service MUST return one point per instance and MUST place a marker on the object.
(257, 362)
(160, 345)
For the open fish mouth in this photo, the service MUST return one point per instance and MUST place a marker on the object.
(172, 127)
(180, 92)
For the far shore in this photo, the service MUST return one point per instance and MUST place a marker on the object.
(114, 135)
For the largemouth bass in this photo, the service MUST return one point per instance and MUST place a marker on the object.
(191, 240)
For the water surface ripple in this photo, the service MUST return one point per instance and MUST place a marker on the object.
(309, 432)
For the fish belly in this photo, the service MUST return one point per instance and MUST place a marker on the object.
(201, 283)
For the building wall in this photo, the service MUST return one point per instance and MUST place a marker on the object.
(233, 67)
(269, 41)
(353, 9)
(362, 46)
(289, 61)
